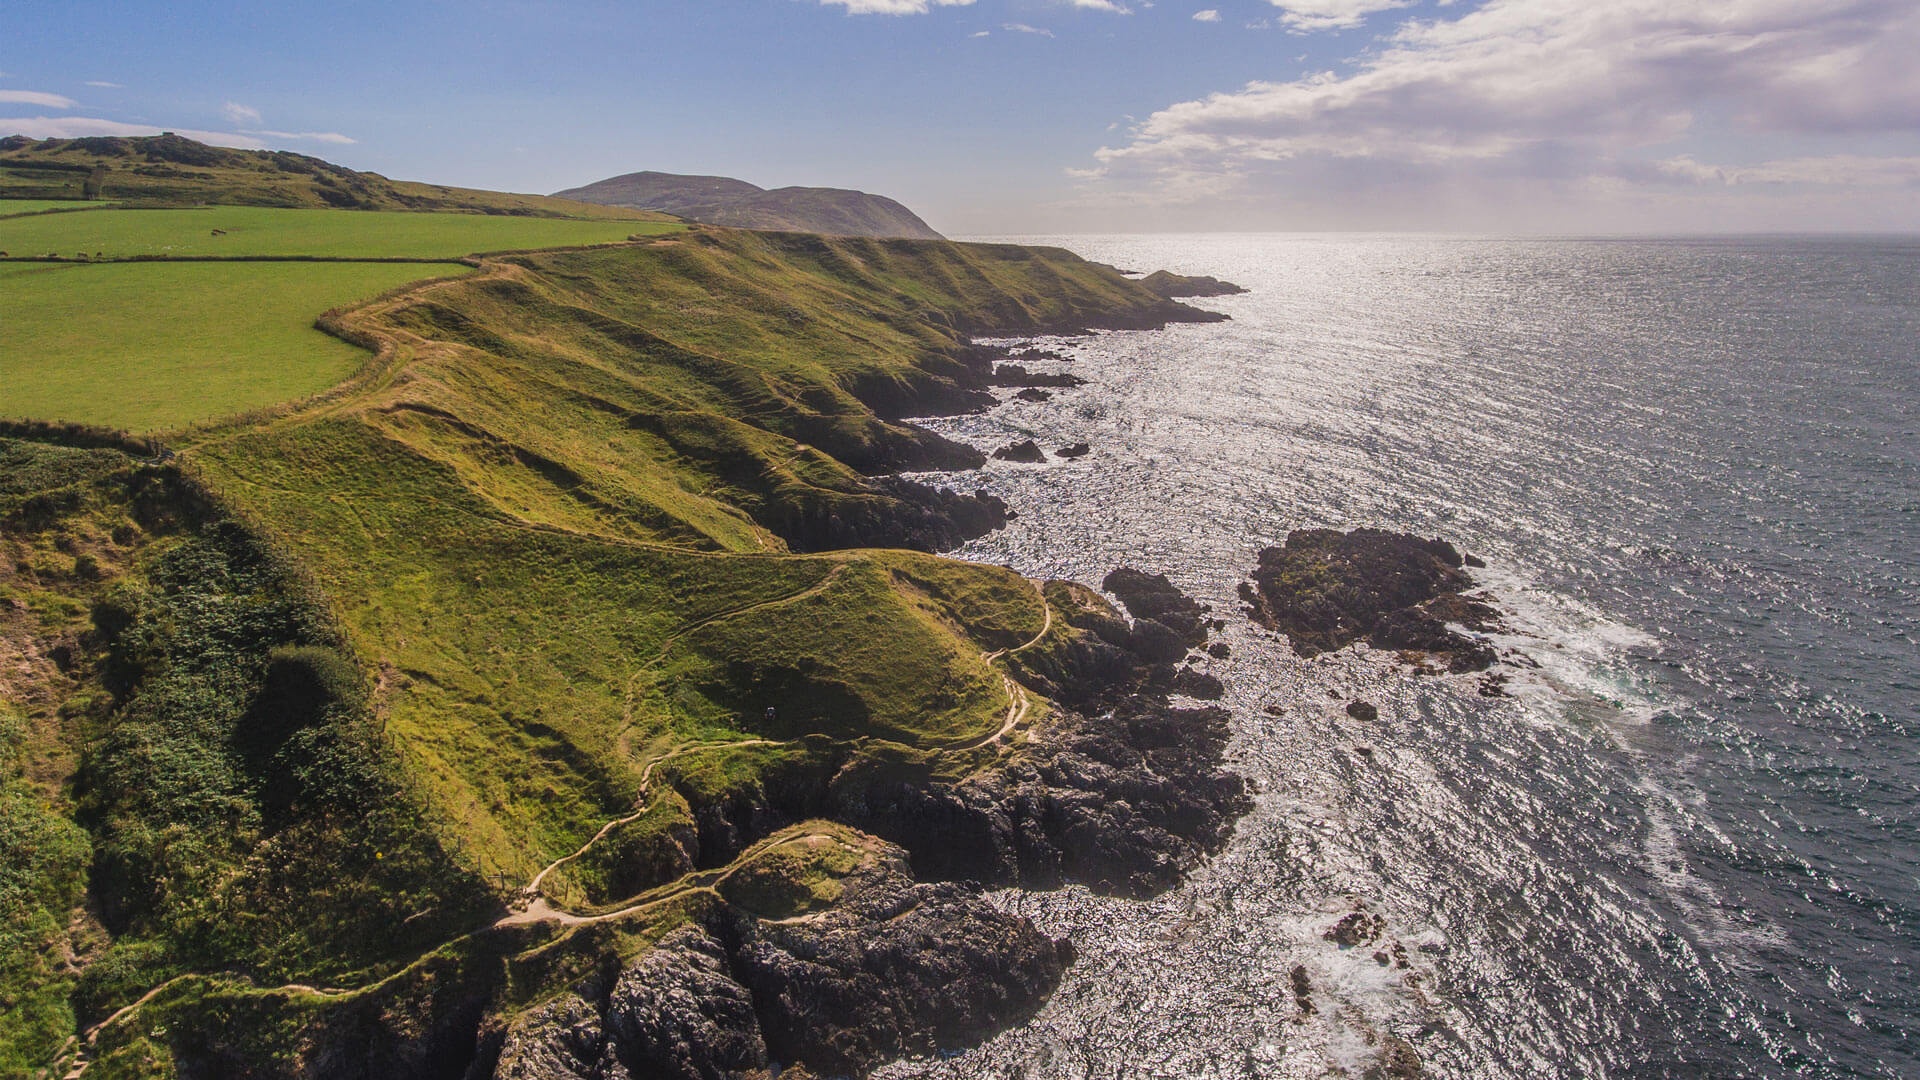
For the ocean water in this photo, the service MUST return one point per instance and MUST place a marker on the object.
(1687, 844)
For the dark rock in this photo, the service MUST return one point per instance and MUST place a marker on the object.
(1174, 286)
(1356, 928)
(1198, 684)
(1156, 642)
(1325, 590)
(561, 1040)
(1302, 989)
(1361, 710)
(1398, 1061)
(895, 967)
(1034, 393)
(1474, 561)
(1028, 452)
(1152, 596)
(892, 512)
(1017, 375)
(1078, 449)
(677, 1011)
(898, 967)
(1219, 650)
(1039, 354)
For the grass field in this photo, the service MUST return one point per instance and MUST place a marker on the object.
(12, 207)
(349, 234)
(153, 346)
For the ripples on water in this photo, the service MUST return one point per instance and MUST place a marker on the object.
(1687, 845)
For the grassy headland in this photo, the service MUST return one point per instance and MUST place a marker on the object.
(569, 585)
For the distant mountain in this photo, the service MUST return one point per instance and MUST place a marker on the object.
(720, 200)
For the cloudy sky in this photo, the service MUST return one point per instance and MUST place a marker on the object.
(997, 116)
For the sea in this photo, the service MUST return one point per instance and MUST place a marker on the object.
(1686, 843)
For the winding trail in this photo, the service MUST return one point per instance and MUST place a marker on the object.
(1019, 701)
(643, 804)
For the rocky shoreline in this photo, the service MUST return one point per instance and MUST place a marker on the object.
(1119, 789)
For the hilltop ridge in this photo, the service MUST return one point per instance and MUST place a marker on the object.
(722, 200)
(173, 170)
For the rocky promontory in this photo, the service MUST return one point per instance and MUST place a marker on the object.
(892, 967)
(1326, 589)
(1174, 286)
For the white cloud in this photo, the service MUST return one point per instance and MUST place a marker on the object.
(80, 127)
(310, 136)
(1101, 5)
(1332, 14)
(894, 7)
(104, 85)
(1845, 170)
(1023, 28)
(981, 34)
(1208, 15)
(35, 97)
(240, 114)
(1557, 96)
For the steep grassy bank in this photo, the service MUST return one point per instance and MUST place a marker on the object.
(189, 747)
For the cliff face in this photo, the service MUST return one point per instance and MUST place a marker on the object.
(595, 532)
(720, 200)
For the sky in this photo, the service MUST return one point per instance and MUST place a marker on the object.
(1052, 116)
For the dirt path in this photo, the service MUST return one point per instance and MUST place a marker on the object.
(532, 891)
(1019, 703)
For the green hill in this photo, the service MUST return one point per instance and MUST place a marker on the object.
(719, 200)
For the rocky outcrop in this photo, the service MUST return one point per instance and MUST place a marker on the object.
(1026, 451)
(1174, 286)
(1151, 597)
(1326, 589)
(1018, 375)
(1078, 449)
(895, 967)
(899, 513)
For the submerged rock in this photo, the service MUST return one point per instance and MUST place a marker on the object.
(1078, 449)
(1033, 393)
(1326, 589)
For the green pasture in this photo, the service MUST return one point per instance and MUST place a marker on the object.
(12, 207)
(341, 234)
(157, 346)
